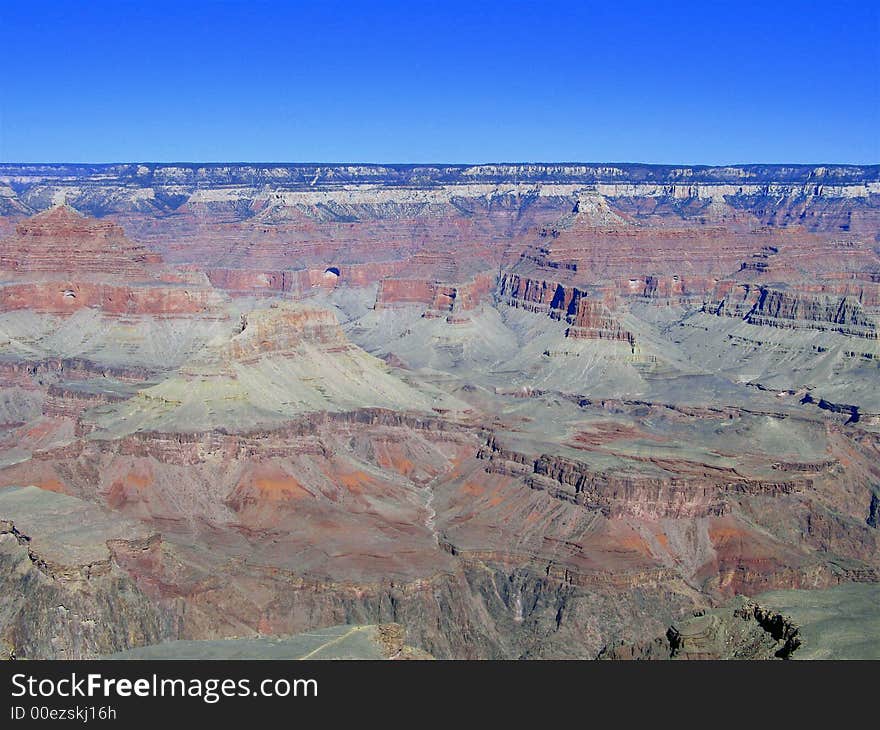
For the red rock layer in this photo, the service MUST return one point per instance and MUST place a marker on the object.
(590, 314)
(298, 282)
(440, 298)
(62, 240)
(594, 321)
(447, 284)
(597, 254)
(64, 296)
(59, 262)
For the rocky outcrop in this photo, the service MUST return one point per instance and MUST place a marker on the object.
(445, 285)
(69, 400)
(589, 317)
(617, 494)
(791, 309)
(44, 371)
(795, 308)
(743, 629)
(64, 296)
(68, 598)
(280, 329)
(534, 295)
(593, 320)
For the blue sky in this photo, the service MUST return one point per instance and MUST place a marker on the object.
(664, 82)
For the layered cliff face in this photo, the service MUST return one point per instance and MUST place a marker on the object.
(452, 301)
(328, 522)
(59, 261)
(590, 313)
(522, 411)
(782, 308)
(61, 239)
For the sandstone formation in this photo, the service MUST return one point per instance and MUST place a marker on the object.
(58, 262)
(510, 411)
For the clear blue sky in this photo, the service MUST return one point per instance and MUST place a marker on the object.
(667, 82)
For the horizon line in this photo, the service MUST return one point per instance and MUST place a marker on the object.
(443, 164)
